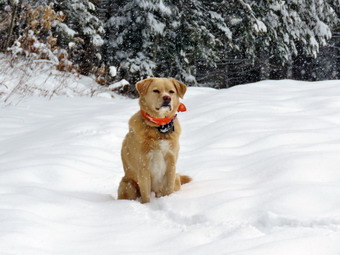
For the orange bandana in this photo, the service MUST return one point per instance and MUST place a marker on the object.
(163, 121)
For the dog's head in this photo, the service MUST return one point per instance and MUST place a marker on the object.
(160, 96)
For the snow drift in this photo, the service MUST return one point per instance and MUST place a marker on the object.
(264, 159)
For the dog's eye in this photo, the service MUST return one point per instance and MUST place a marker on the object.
(171, 92)
(156, 91)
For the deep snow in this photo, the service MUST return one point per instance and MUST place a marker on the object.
(264, 159)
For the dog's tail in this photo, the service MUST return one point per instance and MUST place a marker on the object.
(185, 179)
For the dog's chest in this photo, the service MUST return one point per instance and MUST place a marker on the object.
(158, 163)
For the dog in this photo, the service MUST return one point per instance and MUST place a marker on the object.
(150, 149)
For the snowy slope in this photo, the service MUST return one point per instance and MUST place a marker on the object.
(23, 77)
(264, 159)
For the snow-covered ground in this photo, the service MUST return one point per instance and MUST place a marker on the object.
(264, 159)
(21, 78)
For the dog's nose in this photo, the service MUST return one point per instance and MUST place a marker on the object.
(167, 99)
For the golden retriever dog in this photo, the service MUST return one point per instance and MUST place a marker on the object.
(150, 148)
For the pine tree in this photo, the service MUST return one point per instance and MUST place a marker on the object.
(82, 32)
(5, 17)
(129, 42)
(163, 38)
(271, 33)
(196, 38)
(246, 40)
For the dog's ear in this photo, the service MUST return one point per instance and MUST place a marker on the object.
(142, 86)
(180, 87)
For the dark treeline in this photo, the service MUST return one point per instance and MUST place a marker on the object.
(208, 43)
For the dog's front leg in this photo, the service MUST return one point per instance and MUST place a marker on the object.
(170, 174)
(144, 183)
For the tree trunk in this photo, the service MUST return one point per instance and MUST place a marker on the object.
(12, 24)
(264, 65)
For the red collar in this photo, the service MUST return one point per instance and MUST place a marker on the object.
(163, 121)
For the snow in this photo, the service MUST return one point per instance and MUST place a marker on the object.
(113, 71)
(118, 84)
(70, 32)
(323, 29)
(259, 26)
(97, 40)
(71, 45)
(158, 6)
(157, 27)
(92, 7)
(20, 79)
(264, 159)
